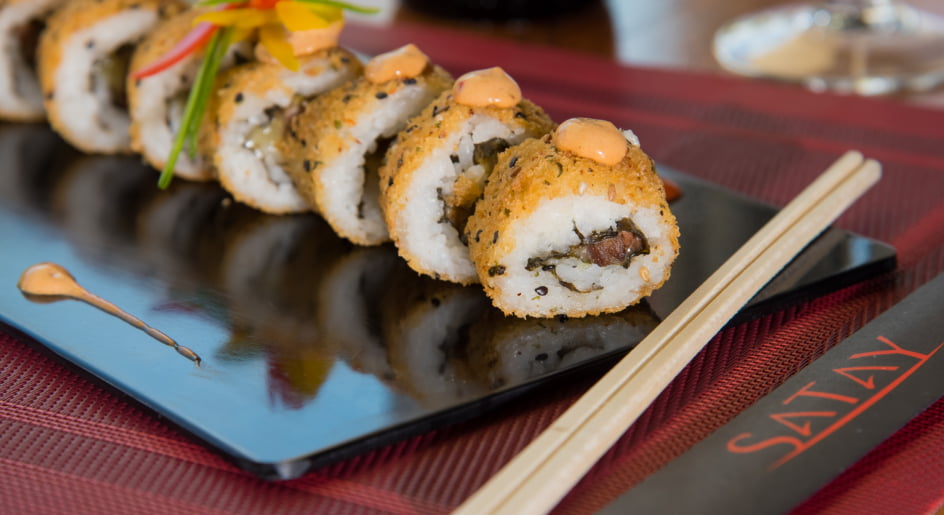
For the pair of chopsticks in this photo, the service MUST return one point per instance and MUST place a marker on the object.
(537, 479)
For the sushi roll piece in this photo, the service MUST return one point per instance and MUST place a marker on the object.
(21, 23)
(336, 144)
(84, 55)
(436, 169)
(253, 108)
(156, 102)
(575, 223)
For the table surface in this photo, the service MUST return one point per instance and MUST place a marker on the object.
(70, 445)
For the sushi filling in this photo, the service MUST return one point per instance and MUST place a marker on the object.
(617, 245)
(109, 74)
(469, 185)
(263, 139)
(373, 160)
(28, 37)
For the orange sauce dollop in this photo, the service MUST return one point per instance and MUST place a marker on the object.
(489, 87)
(599, 140)
(403, 63)
(305, 42)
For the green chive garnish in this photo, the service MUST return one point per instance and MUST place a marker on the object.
(196, 103)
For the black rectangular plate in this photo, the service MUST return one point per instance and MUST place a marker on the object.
(316, 350)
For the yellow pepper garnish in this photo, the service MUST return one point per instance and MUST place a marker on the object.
(244, 18)
(297, 16)
(276, 24)
(273, 40)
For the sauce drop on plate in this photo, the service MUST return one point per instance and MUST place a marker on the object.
(49, 282)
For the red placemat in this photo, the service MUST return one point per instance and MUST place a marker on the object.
(70, 445)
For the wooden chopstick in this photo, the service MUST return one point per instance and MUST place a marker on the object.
(538, 477)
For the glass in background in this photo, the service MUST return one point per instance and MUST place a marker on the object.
(866, 47)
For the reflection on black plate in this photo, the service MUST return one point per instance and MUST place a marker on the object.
(315, 350)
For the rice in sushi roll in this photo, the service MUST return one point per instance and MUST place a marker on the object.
(575, 223)
(337, 143)
(156, 102)
(84, 55)
(254, 106)
(436, 169)
(21, 23)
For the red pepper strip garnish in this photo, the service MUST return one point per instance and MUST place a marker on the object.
(263, 4)
(672, 191)
(194, 39)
